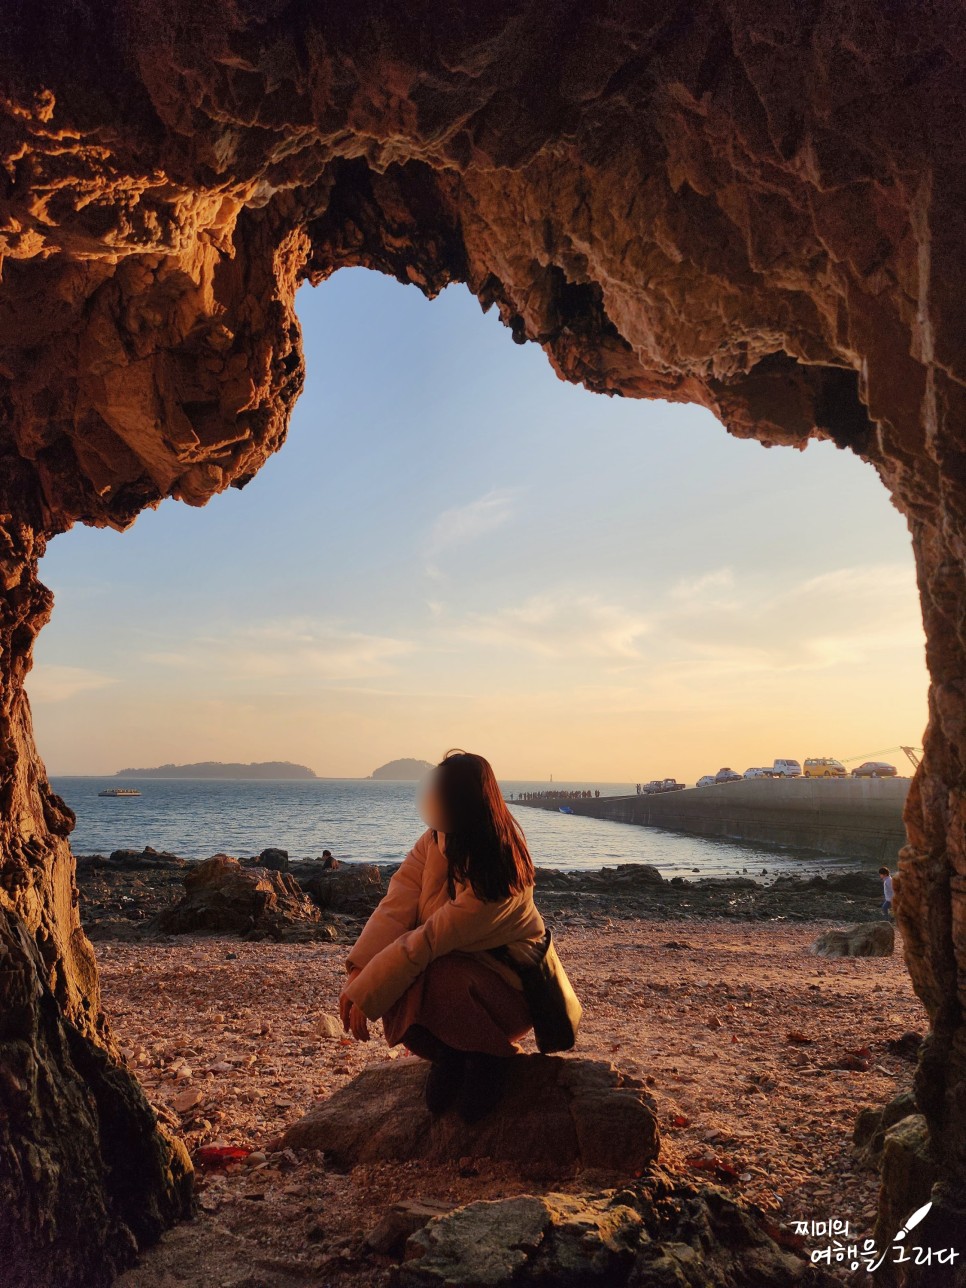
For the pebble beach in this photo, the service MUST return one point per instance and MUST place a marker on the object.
(759, 1055)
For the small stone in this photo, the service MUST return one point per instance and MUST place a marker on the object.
(401, 1221)
(187, 1100)
(329, 1027)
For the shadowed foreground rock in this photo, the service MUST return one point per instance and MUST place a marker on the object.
(868, 1135)
(871, 939)
(908, 1170)
(649, 1235)
(222, 897)
(72, 1140)
(558, 1116)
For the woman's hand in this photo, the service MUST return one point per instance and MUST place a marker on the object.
(358, 1024)
(346, 1005)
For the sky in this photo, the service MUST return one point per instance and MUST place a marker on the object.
(455, 548)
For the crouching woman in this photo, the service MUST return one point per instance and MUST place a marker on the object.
(423, 963)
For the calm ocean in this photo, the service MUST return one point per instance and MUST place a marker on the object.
(375, 822)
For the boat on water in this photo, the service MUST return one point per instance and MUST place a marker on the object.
(565, 809)
(120, 791)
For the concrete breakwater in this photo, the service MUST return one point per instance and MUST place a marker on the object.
(854, 817)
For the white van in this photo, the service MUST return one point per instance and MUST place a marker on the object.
(785, 769)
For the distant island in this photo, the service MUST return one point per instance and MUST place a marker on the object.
(221, 769)
(402, 770)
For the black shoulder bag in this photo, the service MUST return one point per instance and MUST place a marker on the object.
(554, 1006)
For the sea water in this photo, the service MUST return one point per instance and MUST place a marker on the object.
(377, 822)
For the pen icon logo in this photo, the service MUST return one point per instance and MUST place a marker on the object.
(913, 1221)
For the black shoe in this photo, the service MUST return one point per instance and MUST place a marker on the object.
(443, 1082)
(484, 1082)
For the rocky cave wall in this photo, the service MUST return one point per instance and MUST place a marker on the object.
(754, 206)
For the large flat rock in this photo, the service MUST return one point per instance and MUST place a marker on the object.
(870, 939)
(559, 1115)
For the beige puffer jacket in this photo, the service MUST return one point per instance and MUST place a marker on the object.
(417, 921)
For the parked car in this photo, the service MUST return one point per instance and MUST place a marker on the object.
(662, 785)
(727, 776)
(754, 773)
(824, 767)
(706, 780)
(875, 769)
(784, 769)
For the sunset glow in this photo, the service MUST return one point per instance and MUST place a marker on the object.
(455, 547)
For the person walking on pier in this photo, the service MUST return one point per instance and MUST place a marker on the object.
(886, 876)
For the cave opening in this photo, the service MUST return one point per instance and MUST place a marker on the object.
(810, 597)
(760, 213)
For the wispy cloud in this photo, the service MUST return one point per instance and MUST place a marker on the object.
(719, 628)
(464, 523)
(293, 649)
(60, 683)
(834, 619)
(707, 587)
(559, 624)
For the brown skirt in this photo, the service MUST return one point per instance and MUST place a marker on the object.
(464, 1004)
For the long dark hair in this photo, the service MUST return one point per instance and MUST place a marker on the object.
(485, 845)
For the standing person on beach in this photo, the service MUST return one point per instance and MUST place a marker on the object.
(886, 876)
(422, 963)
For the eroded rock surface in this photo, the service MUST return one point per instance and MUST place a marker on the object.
(651, 1235)
(908, 1170)
(751, 206)
(870, 939)
(558, 1116)
(121, 895)
(274, 859)
(222, 897)
(872, 1124)
(352, 888)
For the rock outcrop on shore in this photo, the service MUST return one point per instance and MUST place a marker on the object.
(871, 939)
(273, 858)
(120, 895)
(353, 889)
(124, 896)
(146, 860)
(638, 889)
(222, 897)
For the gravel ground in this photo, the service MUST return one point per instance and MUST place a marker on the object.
(759, 1055)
